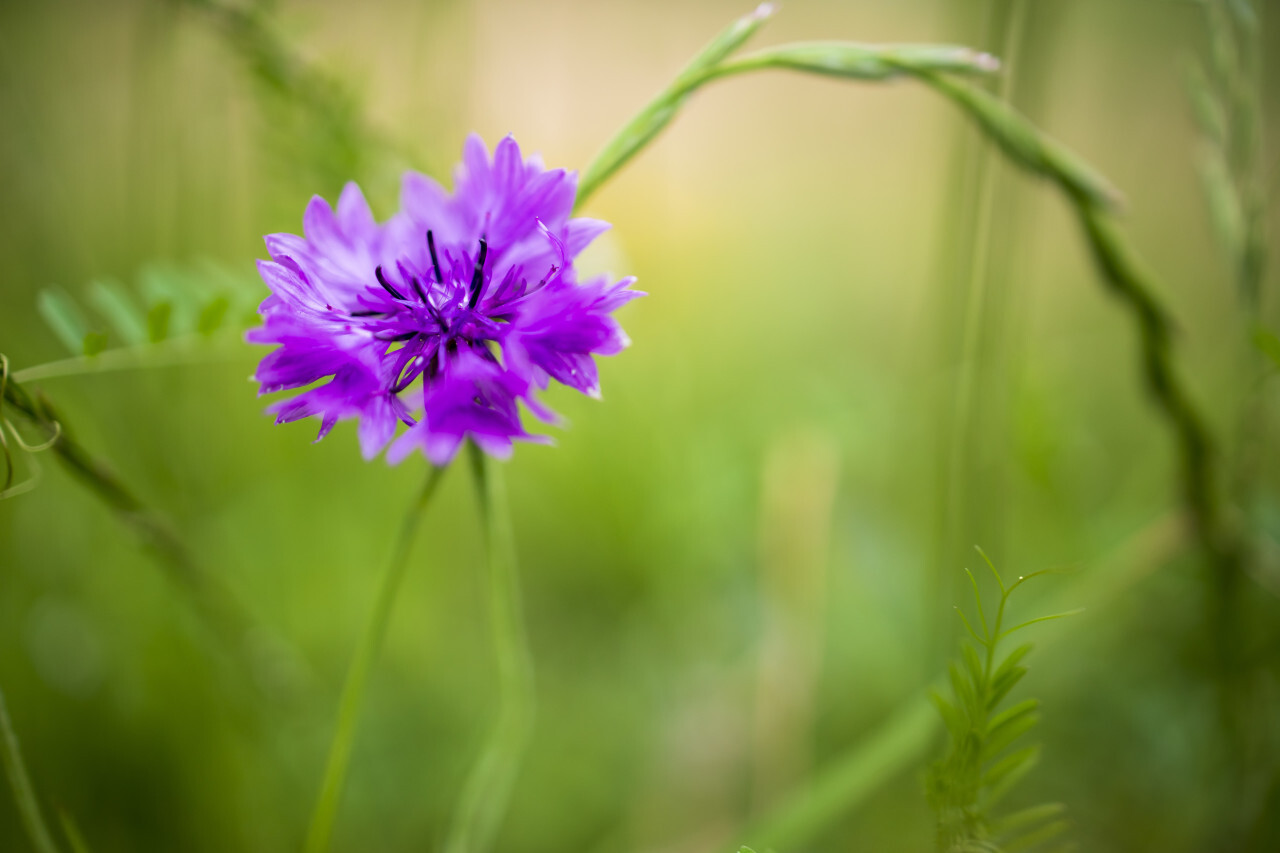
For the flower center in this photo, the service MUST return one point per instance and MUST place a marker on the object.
(431, 321)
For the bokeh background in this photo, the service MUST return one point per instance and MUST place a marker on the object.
(737, 567)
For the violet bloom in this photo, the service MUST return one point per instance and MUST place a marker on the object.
(446, 317)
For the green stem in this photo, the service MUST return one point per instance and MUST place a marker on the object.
(23, 791)
(965, 489)
(650, 121)
(212, 599)
(488, 787)
(1090, 194)
(353, 689)
(337, 119)
(849, 60)
(175, 352)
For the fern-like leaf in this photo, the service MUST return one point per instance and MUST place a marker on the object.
(984, 760)
(166, 304)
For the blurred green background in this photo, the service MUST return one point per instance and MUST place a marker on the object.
(742, 561)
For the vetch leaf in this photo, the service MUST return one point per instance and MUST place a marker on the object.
(128, 320)
(956, 723)
(1004, 730)
(974, 666)
(162, 284)
(1040, 619)
(64, 317)
(1001, 686)
(1006, 772)
(1205, 104)
(1036, 837)
(94, 343)
(1015, 657)
(1225, 209)
(212, 315)
(158, 321)
(964, 692)
(1026, 817)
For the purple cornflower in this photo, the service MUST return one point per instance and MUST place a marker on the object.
(445, 317)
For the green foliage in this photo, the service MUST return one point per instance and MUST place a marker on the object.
(314, 120)
(1268, 344)
(64, 317)
(650, 121)
(167, 303)
(1225, 92)
(75, 838)
(984, 759)
(848, 60)
(20, 781)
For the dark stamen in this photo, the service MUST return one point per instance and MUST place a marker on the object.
(435, 261)
(417, 288)
(367, 313)
(395, 294)
(477, 277)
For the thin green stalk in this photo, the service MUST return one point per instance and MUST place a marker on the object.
(75, 838)
(961, 433)
(488, 787)
(888, 751)
(212, 599)
(836, 59)
(844, 783)
(174, 352)
(23, 792)
(650, 121)
(1128, 279)
(1089, 193)
(338, 137)
(353, 689)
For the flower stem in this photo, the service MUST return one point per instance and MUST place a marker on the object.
(488, 786)
(214, 601)
(353, 689)
(28, 806)
(964, 487)
(1084, 188)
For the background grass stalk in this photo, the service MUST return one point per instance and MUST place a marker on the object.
(488, 787)
(1089, 193)
(963, 507)
(844, 783)
(353, 689)
(23, 791)
(650, 121)
(215, 602)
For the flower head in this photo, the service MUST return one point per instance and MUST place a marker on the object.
(444, 318)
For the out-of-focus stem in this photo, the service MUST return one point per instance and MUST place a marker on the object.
(845, 781)
(215, 602)
(488, 787)
(797, 497)
(650, 121)
(23, 792)
(335, 772)
(1090, 194)
(962, 488)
